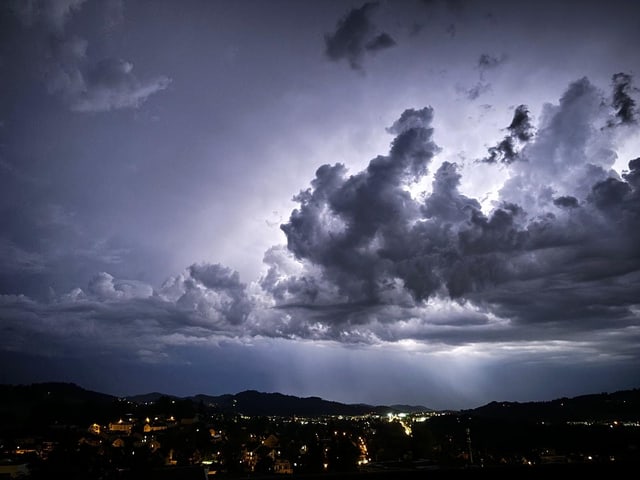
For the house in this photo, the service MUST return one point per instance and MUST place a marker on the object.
(118, 443)
(283, 467)
(122, 426)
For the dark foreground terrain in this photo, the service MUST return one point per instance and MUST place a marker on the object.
(63, 431)
(569, 471)
(566, 471)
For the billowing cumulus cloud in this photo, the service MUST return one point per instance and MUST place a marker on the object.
(356, 35)
(571, 152)
(352, 226)
(368, 261)
(224, 281)
(553, 264)
(104, 287)
(200, 306)
(559, 249)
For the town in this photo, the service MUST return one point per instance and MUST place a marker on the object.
(66, 437)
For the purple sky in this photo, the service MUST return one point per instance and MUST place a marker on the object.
(428, 202)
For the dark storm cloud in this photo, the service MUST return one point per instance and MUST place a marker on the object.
(367, 237)
(521, 127)
(633, 175)
(503, 152)
(445, 201)
(356, 34)
(566, 202)
(623, 103)
(367, 261)
(343, 223)
(520, 131)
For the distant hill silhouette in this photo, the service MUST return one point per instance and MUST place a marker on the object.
(621, 405)
(148, 397)
(53, 402)
(410, 408)
(252, 402)
(50, 403)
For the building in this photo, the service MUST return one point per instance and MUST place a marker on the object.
(121, 426)
(282, 467)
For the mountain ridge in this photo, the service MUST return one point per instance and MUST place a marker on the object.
(620, 404)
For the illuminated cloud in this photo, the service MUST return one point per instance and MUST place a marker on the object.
(366, 262)
(183, 198)
(520, 131)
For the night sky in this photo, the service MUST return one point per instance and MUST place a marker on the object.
(425, 202)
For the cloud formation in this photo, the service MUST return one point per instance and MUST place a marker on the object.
(623, 103)
(540, 257)
(486, 62)
(519, 131)
(111, 84)
(355, 35)
(367, 261)
(85, 85)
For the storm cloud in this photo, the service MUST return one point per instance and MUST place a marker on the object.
(623, 103)
(368, 261)
(183, 198)
(520, 131)
(375, 244)
(355, 35)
